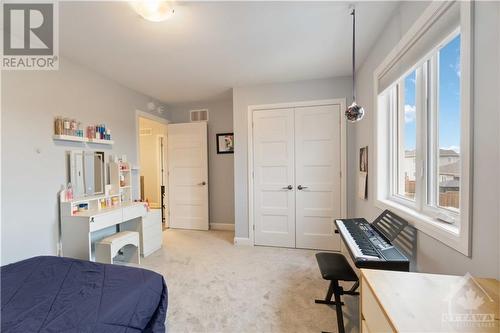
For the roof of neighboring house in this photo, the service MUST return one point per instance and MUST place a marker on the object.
(442, 153)
(452, 169)
(410, 153)
(448, 153)
(450, 183)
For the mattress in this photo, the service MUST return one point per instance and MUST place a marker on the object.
(52, 294)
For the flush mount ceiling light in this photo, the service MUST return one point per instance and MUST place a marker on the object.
(153, 10)
(354, 112)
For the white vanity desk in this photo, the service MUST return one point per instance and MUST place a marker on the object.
(85, 220)
(77, 228)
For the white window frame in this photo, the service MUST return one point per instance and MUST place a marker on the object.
(432, 128)
(426, 219)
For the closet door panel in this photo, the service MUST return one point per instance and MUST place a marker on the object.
(317, 166)
(274, 202)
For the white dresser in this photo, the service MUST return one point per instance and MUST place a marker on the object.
(150, 230)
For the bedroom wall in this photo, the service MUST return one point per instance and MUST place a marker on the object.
(33, 165)
(220, 166)
(432, 255)
(268, 94)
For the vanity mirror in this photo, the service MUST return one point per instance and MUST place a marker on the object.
(87, 172)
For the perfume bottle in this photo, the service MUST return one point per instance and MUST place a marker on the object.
(58, 126)
(69, 192)
(67, 126)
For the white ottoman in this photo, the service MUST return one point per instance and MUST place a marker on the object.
(107, 248)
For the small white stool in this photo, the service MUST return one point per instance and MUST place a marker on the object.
(107, 248)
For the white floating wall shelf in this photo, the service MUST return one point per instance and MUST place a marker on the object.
(100, 141)
(73, 138)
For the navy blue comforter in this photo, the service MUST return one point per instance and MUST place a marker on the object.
(52, 294)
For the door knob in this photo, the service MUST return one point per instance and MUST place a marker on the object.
(300, 187)
(289, 187)
(202, 183)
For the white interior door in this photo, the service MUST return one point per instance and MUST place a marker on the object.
(317, 175)
(188, 175)
(274, 196)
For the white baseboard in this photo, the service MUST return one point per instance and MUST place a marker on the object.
(242, 241)
(222, 226)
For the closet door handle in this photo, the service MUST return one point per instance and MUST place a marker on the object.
(289, 187)
(202, 183)
(300, 187)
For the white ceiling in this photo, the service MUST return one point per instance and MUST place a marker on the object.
(210, 47)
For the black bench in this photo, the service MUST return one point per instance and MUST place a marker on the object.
(334, 267)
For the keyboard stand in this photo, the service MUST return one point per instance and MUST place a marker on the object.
(334, 285)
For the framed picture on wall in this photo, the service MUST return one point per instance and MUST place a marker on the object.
(225, 143)
(363, 173)
(363, 159)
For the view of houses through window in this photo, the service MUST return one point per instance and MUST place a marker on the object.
(408, 128)
(449, 176)
(444, 124)
(449, 124)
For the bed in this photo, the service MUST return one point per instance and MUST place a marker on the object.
(53, 294)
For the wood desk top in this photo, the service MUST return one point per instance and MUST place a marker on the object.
(417, 302)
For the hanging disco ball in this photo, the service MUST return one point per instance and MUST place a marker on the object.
(354, 112)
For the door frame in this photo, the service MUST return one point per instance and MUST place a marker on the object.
(162, 172)
(343, 153)
(147, 115)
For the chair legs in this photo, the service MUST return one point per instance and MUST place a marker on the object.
(329, 294)
(338, 307)
(337, 291)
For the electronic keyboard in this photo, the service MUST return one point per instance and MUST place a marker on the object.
(369, 245)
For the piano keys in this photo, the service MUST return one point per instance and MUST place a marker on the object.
(370, 245)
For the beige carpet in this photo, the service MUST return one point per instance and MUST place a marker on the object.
(214, 286)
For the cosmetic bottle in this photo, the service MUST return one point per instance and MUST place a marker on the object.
(72, 127)
(69, 192)
(67, 126)
(122, 180)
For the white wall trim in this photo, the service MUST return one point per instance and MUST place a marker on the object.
(151, 116)
(142, 114)
(222, 226)
(241, 241)
(498, 106)
(343, 154)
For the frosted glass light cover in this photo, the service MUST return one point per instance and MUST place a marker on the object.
(153, 10)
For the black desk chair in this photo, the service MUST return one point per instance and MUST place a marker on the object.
(334, 267)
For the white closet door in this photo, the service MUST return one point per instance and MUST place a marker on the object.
(317, 167)
(274, 195)
(188, 175)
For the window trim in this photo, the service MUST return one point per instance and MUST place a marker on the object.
(455, 236)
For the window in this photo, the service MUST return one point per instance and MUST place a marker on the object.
(407, 134)
(428, 179)
(448, 127)
(423, 119)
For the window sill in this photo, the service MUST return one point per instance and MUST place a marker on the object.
(448, 234)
